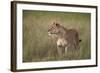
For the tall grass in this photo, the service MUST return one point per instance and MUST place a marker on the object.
(38, 46)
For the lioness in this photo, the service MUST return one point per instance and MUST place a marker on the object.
(66, 38)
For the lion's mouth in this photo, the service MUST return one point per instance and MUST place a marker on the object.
(50, 33)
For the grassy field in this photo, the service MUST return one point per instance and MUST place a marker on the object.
(38, 46)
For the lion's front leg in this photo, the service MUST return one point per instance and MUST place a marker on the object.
(59, 50)
(66, 50)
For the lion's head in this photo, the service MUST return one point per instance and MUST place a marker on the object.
(54, 29)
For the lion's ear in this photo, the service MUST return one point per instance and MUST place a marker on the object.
(54, 23)
(57, 24)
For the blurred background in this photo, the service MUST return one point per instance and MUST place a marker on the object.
(38, 46)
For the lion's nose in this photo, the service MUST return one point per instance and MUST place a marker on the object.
(48, 30)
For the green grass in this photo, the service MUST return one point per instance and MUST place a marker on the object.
(38, 46)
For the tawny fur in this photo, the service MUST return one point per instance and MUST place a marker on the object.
(65, 38)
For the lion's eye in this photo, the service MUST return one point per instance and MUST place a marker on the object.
(52, 27)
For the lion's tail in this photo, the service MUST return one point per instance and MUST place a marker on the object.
(80, 40)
